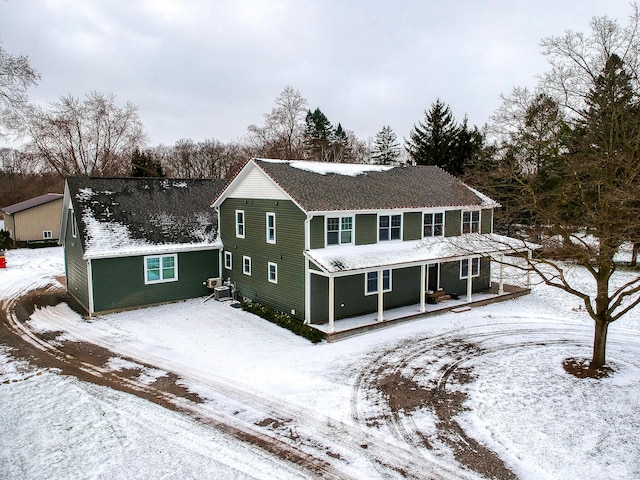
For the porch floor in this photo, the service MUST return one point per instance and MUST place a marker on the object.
(347, 327)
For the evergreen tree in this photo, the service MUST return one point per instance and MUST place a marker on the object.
(386, 149)
(432, 142)
(144, 165)
(317, 135)
(340, 148)
(467, 147)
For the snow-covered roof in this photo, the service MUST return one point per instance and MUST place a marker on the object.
(32, 202)
(329, 187)
(350, 259)
(136, 216)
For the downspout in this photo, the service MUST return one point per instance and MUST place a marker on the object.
(307, 274)
(90, 287)
(217, 209)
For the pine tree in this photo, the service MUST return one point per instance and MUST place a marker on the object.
(144, 165)
(431, 142)
(317, 135)
(340, 149)
(386, 149)
(467, 147)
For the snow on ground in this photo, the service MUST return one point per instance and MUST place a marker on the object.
(544, 423)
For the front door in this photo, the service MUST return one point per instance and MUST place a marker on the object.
(433, 276)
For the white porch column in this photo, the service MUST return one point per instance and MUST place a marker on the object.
(331, 304)
(423, 288)
(501, 284)
(380, 297)
(469, 278)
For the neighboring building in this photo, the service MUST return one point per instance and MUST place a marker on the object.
(36, 220)
(325, 241)
(134, 242)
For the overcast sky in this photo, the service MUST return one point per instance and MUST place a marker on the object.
(209, 68)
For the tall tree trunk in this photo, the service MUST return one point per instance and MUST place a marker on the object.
(599, 344)
(634, 254)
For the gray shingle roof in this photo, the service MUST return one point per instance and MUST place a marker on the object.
(32, 202)
(156, 211)
(394, 188)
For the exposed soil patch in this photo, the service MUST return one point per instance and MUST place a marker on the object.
(581, 368)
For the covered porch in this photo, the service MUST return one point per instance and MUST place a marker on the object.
(348, 327)
(378, 262)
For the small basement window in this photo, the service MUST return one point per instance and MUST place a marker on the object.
(160, 268)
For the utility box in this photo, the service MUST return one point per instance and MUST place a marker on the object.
(3, 260)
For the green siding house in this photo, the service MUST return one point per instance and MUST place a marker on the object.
(324, 241)
(136, 242)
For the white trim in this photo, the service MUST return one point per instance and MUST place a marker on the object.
(340, 230)
(240, 224)
(377, 272)
(161, 259)
(275, 271)
(228, 255)
(244, 265)
(390, 215)
(45, 236)
(470, 267)
(433, 213)
(471, 222)
(267, 228)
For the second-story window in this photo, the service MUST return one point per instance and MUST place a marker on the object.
(339, 230)
(389, 227)
(471, 222)
(271, 228)
(240, 223)
(433, 225)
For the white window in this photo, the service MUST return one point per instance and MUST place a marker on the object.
(389, 227)
(74, 225)
(273, 272)
(271, 228)
(228, 260)
(240, 223)
(371, 282)
(464, 268)
(339, 230)
(433, 225)
(471, 222)
(47, 235)
(246, 265)
(160, 268)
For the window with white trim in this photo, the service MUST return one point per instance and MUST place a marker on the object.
(271, 227)
(389, 227)
(240, 223)
(433, 225)
(228, 260)
(471, 222)
(160, 268)
(74, 225)
(272, 272)
(47, 235)
(464, 268)
(339, 230)
(371, 282)
(246, 265)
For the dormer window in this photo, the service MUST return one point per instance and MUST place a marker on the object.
(389, 227)
(471, 222)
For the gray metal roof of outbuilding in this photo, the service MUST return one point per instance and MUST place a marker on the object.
(30, 203)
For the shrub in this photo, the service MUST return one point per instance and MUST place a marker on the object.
(283, 320)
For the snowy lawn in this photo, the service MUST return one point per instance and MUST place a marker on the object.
(544, 423)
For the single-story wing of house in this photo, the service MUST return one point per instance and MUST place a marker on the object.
(135, 242)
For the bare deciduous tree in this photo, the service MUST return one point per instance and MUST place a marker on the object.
(90, 137)
(16, 76)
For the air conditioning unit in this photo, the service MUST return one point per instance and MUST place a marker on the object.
(214, 282)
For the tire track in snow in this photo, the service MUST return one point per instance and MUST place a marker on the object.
(325, 447)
